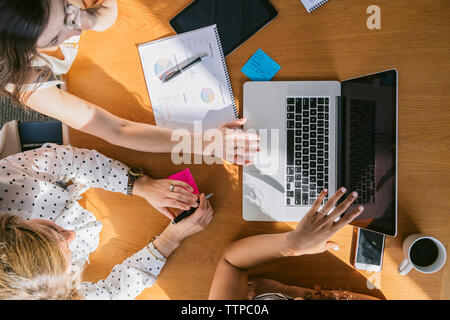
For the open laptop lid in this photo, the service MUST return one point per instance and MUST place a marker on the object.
(368, 148)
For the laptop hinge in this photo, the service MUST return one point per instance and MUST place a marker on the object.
(340, 142)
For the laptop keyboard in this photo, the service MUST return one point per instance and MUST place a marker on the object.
(307, 149)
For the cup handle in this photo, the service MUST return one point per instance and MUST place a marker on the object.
(404, 267)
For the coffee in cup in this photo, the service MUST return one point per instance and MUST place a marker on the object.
(423, 253)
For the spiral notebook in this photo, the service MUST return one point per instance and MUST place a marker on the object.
(202, 94)
(312, 5)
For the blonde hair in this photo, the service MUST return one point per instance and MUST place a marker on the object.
(32, 265)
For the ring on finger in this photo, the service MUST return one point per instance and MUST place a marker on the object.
(171, 188)
(322, 212)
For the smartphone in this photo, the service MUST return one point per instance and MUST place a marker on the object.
(369, 250)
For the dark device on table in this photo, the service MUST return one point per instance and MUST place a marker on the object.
(236, 20)
(183, 215)
(187, 213)
(332, 134)
(369, 250)
(369, 157)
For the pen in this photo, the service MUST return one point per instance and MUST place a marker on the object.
(182, 66)
(187, 213)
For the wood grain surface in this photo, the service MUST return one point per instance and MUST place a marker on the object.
(332, 43)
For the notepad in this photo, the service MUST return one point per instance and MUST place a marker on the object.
(187, 177)
(311, 5)
(202, 93)
(260, 67)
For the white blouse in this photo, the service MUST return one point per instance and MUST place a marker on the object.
(33, 185)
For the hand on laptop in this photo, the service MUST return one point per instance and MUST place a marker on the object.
(238, 146)
(313, 231)
(159, 194)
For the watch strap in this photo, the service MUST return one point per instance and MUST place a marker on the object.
(133, 175)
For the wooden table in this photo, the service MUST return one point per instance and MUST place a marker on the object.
(330, 43)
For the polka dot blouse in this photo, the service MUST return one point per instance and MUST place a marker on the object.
(33, 185)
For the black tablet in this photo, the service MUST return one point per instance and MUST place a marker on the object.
(236, 20)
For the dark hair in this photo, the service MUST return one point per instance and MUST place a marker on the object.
(21, 24)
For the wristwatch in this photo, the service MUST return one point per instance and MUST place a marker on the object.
(133, 175)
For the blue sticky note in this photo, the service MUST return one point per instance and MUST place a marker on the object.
(260, 67)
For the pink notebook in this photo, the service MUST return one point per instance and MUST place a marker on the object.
(185, 176)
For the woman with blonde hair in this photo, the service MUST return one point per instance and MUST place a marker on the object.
(46, 237)
(32, 264)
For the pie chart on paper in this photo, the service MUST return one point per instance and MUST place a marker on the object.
(162, 65)
(208, 95)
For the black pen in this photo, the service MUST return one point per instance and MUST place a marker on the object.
(187, 213)
(182, 66)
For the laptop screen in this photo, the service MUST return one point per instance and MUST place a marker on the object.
(368, 148)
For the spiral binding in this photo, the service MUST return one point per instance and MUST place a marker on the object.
(227, 75)
(318, 5)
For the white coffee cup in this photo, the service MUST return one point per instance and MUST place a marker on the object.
(407, 264)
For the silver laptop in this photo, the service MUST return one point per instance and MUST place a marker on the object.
(323, 134)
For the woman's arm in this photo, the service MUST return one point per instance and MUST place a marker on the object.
(140, 271)
(310, 237)
(97, 15)
(92, 169)
(87, 117)
(231, 278)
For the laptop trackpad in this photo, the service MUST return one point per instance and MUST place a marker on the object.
(267, 161)
(256, 189)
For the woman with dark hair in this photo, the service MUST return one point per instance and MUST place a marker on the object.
(39, 42)
(34, 38)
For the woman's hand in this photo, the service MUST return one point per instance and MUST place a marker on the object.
(158, 194)
(88, 20)
(77, 18)
(313, 231)
(196, 222)
(237, 145)
(89, 15)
